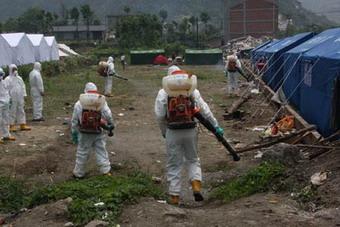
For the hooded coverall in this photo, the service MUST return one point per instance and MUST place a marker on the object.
(87, 142)
(37, 89)
(233, 77)
(4, 108)
(181, 144)
(17, 92)
(109, 78)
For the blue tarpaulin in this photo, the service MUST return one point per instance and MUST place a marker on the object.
(253, 51)
(320, 67)
(273, 76)
(292, 72)
(257, 54)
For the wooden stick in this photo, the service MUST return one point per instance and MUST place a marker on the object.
(269, 144)
(317, 146)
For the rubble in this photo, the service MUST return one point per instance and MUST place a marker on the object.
(285, 153)
(244, 43)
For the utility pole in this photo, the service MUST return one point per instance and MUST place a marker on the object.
(197, 37)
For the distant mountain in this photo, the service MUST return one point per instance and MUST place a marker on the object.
(176, 8)
(329, 8)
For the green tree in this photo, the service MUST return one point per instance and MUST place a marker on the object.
(205, 18)
(163, 15)
(88, 16)
(75, 17)
(139, 31)
(127, 9)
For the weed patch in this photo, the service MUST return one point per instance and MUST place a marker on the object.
(256, 180)
(112, 192)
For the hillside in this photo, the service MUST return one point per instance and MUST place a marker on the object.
(329, 8)
(175, 8)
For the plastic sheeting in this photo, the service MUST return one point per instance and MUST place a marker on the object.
(292, 70)
(273, 76)
(5, 53)
(41, 48)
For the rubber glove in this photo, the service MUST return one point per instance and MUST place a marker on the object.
(219, 131)
(75, 137)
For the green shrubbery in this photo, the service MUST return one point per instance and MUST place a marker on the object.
(256, 180)
(112, 191)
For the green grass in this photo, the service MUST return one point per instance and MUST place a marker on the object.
(256, 180)
(114, 192)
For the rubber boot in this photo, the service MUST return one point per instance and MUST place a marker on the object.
(196, 188)
(109, 95)
(1, 141)
(12, 128)
(24, 127)
(174, 200)
(10, 138)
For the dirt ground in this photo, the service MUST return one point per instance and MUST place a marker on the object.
(45, 155)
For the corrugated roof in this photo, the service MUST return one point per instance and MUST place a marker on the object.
(207, 51)
(159, 51)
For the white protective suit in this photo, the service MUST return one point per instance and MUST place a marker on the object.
(87, 142)
(172, 69)
(233, 77)
(181, 144)
(37, 89)
(17, 92)
(4, 106)
(110, 72)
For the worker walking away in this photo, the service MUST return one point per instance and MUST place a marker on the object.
(233, 71)
(4, 109)
(17, 92)
(109, 78)
(123, 61)
(91, 114)
(175, 107)
(37, 92)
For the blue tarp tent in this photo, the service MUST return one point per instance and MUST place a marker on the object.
(273, 76)
(320, 68)
(257, 54)
(292, 74)
(253, 51)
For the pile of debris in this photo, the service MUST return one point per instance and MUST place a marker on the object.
(244, 43)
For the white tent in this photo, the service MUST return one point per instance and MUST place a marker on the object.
(41, 48)
(52, 43)
(5, 52)
(21, 50)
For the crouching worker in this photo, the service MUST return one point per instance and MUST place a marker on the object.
(175, 107)
(4, 110)
(90, 116)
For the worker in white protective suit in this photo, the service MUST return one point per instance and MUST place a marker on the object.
(180, 132)
(109, 77)
(4, 110)
(233, 71)
(17, 92)
(37, 92)
(88, 133)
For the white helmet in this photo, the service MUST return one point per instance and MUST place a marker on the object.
(173, 69)
(37, 66)
(90, 87)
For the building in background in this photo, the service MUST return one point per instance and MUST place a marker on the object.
(70, 32)
(250, 17)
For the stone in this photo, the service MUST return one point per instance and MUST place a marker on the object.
(69, 224)
(286, 154)
(97, 223)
